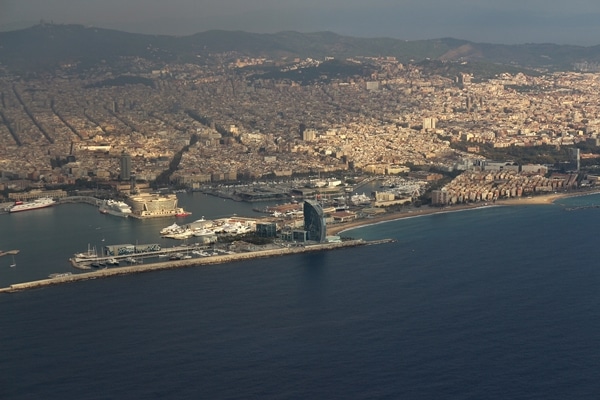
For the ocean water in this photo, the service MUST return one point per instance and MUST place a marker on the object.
(494, 303)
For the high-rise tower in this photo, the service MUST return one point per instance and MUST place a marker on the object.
(125, 174)
(314, 221)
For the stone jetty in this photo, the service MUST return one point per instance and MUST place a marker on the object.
(171, 264)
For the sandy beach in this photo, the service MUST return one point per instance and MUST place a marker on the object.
(550, 198)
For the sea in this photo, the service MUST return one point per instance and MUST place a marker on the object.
(500, 302)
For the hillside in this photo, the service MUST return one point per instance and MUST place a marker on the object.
(47, 46)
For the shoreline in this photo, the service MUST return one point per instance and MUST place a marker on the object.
(332, 230)
(542, 199)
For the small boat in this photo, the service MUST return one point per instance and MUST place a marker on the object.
(90, 253)
(170, 229)
(182, 213)
(14, 263)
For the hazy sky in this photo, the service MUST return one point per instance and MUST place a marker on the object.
(497, 21)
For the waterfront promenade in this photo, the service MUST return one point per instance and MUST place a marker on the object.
(171, 264)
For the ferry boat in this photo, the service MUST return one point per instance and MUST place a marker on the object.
(117, 208)
(32, 205)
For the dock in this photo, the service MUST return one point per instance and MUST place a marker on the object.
(130, 258)
(195, 262)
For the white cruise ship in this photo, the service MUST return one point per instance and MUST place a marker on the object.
(117, 208)
(32, 205)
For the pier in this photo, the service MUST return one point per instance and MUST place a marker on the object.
(171, 264)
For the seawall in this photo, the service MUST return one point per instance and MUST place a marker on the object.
(219, 259)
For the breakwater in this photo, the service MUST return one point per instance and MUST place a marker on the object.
(171, 264)
(9, 252)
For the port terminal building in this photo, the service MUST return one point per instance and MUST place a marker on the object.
(149, 205)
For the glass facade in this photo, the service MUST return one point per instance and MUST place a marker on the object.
(314, 221)
(266, 229)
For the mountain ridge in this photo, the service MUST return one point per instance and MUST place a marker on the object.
(47, 46)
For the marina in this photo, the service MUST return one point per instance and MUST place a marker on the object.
(116, 243)
(127, 254)
(186, 263)
(209, 229)
(74, 225)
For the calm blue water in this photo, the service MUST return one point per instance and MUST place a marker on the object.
(496, 303)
